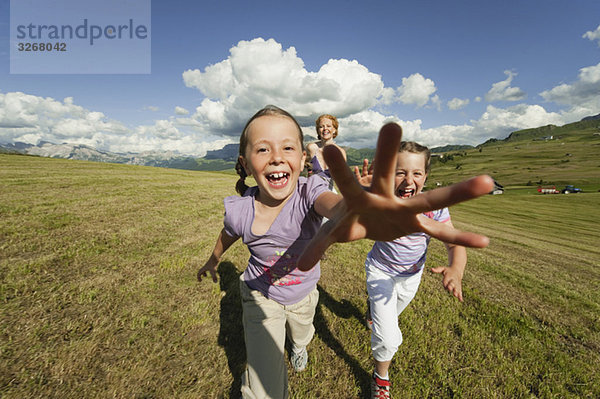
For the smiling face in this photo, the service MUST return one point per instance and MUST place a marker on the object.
(411, 173)
(326, 129)
(274, 157)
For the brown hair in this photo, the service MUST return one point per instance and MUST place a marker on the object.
(269, 110)
(333, 120)
(416, 148)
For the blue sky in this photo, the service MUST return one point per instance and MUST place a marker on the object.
(450, 72)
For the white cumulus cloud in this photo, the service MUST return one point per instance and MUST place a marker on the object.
(181, 111)
(457, 103)
(260, 72)
(30, 119)
(582, 96)
(499, 122)
(495, 122)
(416, 90)
(593, 35)
(502, 91)
(387, 96)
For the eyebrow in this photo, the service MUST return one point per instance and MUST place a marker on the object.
(284, 141)
(412, 170)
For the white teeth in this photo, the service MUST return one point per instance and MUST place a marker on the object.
(277, 175)
(406, 192)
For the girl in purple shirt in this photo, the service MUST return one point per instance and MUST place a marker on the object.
(279, 220)
(394, 268)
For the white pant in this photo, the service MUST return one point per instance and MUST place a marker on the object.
(388, 297)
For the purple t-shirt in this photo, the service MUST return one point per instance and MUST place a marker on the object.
(272, 264)
(317, 169)
(405, 255)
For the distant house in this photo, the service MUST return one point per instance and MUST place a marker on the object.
(498, 188)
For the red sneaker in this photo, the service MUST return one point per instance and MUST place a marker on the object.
(380, 388)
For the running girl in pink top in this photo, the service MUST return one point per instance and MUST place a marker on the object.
(279, 221)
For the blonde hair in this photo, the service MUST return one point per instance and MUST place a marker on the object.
(269, 110)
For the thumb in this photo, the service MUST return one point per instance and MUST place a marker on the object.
(448, 234)
(439, 269)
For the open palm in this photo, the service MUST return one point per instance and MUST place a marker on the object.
(378, 214)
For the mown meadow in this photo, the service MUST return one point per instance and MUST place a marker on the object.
(544, 156)
(99, 295)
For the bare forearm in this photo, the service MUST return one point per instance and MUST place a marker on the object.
(327, 204)
(457, 258)
(224, 241)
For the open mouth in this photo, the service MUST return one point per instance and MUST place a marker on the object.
(405, 193)
(278, 179)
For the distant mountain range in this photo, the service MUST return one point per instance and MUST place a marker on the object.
(228, 153)
(166, 159)
(588, 118)
(226, 157)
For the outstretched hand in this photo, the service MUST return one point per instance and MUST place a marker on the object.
(378, 214)
(209, 267)
(451, 280)
(364, 175)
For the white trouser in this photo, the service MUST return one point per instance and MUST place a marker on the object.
(388, 297)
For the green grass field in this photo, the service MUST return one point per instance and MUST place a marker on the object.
(100, 299)
(571, 157)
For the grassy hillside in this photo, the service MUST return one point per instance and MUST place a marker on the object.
(99, 294)
(524, 159)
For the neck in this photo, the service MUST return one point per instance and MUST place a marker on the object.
(271, 203)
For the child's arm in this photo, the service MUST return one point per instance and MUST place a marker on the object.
(223, 243)
(378, 214)
(327, 203)
(312, 149)
(453, 273)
